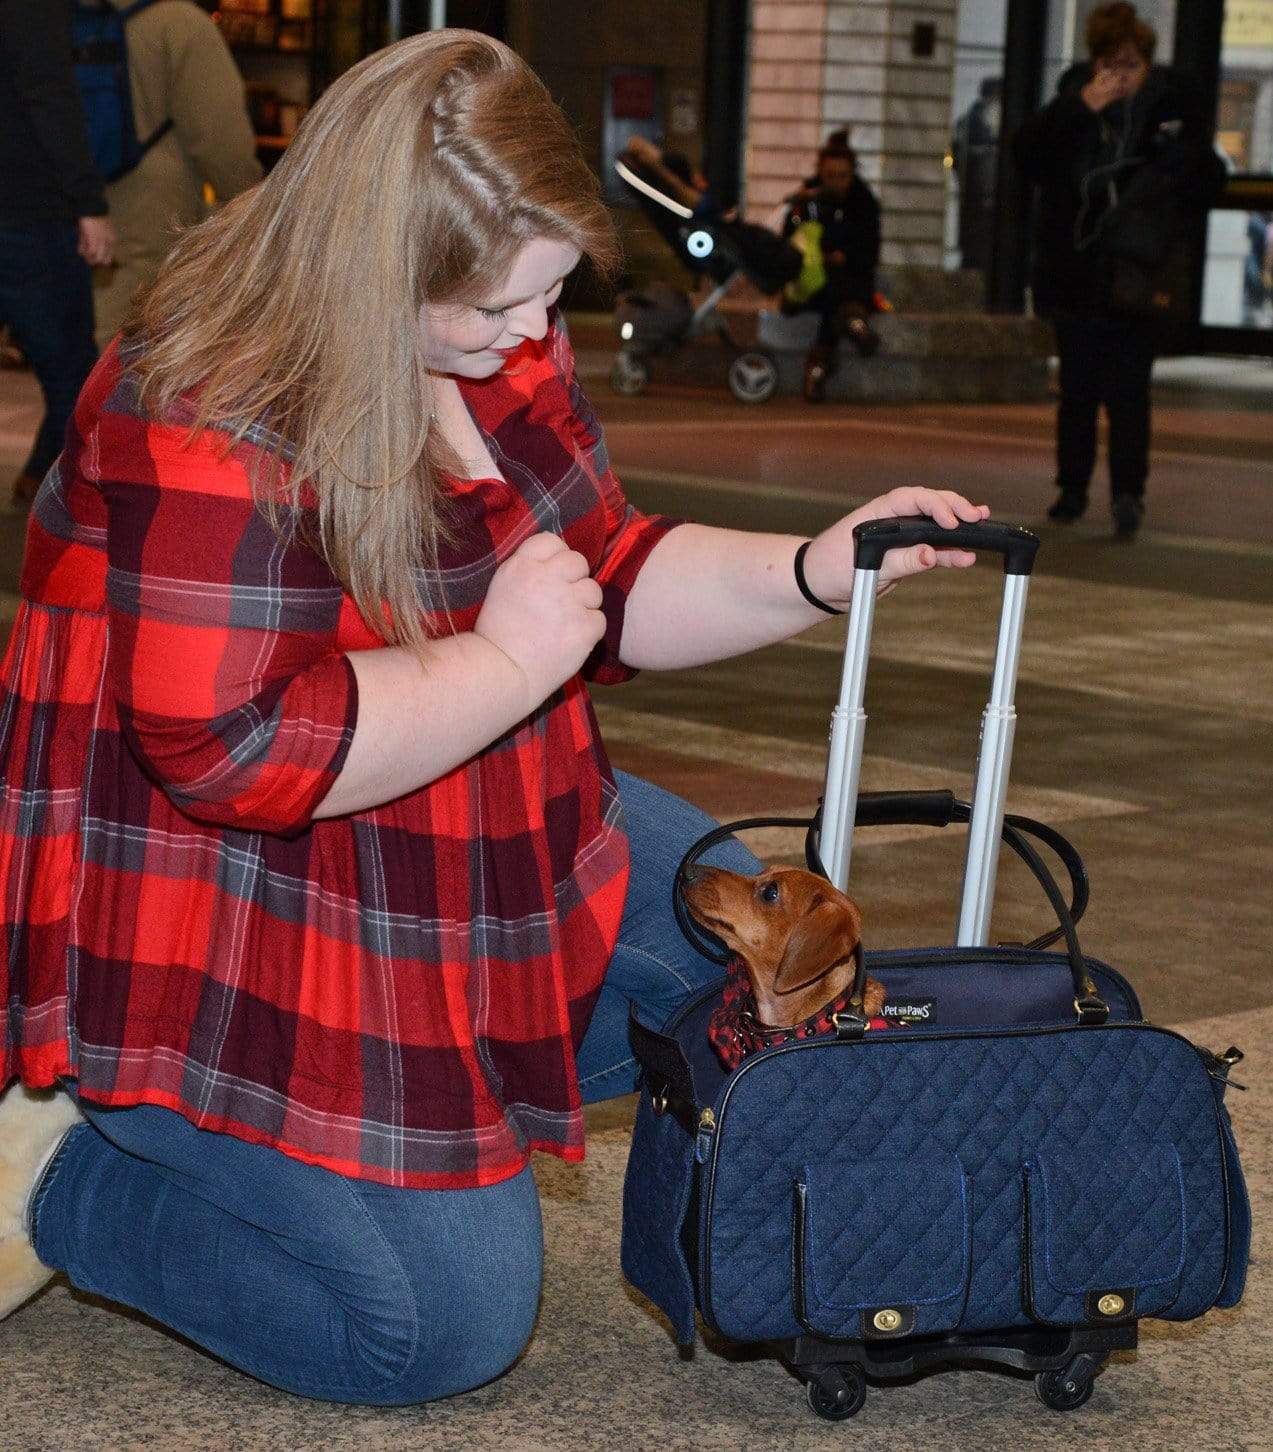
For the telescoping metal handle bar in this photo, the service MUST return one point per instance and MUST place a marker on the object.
(998, 723)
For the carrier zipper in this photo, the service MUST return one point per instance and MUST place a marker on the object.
(713, 1139)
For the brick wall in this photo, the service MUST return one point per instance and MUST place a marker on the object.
(784, 107)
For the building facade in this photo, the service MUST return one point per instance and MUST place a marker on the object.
(927, 90)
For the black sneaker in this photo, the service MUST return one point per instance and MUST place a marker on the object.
(1068, 507)
(1129, 510)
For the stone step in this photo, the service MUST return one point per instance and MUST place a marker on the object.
(933, 289)
(920, 335)
(935, 357)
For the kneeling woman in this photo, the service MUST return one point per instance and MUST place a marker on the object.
(324, 906)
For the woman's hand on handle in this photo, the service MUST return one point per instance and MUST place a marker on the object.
(829, 562)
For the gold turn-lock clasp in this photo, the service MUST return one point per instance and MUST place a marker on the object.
(887, 1319)
(1111, 1305)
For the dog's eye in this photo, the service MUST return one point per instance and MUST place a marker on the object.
(769, 893)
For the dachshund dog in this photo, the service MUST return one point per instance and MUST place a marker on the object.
(794, 933)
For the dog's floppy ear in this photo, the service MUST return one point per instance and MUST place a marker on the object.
(824, 935)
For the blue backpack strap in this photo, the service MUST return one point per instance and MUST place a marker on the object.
(101, 72)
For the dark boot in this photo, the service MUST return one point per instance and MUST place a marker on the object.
(1070, 505)
(1129, 510)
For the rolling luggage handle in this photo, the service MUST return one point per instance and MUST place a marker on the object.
(844, 761)
(939, 809)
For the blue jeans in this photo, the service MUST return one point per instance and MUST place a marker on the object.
(343, 1289)
(46, 298)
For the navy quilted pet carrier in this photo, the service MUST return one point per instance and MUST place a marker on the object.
(1014, 1172)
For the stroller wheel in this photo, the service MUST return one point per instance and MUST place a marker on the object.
(629, 374)
(753, 378)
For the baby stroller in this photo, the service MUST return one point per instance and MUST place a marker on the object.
(659, 319)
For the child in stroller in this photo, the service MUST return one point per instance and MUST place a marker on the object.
(660, 319)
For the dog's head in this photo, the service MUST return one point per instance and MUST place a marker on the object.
(793, 931)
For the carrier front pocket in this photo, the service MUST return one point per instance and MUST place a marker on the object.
(881, 1247)
(1105, 1236)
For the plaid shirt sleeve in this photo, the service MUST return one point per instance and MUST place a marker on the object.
(222, 657)
(630, 534)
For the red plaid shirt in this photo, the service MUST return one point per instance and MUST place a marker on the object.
(397, 994)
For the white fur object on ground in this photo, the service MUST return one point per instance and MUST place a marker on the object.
(33, 1122)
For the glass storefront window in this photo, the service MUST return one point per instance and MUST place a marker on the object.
(1244, 120)
(1237, 287)
(972, 160)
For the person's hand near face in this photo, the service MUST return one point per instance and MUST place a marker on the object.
(1115, 77)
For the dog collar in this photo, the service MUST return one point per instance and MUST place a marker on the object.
(735, 1031)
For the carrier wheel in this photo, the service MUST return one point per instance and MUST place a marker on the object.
(837, 1393)
(629, 374)
(1063, 1391)
(753, 378)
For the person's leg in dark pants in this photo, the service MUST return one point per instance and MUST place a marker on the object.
(46, 298)
(823, 357)
(843, 305)
(1078, 342)
(1130, 362)
(857, 293)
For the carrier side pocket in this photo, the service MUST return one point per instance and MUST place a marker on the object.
(656, 1200)
(881, 1247)
(1239, 1212)
(1105, 1237)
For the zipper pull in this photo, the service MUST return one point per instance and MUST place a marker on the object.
(703, 1141)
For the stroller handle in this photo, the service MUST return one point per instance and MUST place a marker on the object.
(646, 190)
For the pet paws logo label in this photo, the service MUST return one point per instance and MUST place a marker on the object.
(910, 1011)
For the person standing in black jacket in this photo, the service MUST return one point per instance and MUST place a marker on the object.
(1119, 157)
(53, 222)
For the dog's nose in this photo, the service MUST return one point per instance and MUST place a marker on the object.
(692, 873)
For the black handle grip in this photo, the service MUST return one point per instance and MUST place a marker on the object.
(921, 809)
(877, 536)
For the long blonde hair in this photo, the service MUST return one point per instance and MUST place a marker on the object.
(418, 176)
